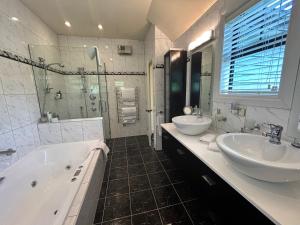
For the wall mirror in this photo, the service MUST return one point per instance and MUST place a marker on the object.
(201, 78)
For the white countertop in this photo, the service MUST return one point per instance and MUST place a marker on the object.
(280, 202)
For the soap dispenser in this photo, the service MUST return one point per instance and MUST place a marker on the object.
(58, 95)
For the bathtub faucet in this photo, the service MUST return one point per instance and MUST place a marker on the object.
(7, 152)
(1, 179)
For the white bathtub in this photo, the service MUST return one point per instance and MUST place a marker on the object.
(38, 189)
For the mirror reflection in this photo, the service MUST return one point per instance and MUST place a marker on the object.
(201, 79)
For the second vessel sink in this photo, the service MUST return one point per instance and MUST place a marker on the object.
(256, 157)
(191, 125)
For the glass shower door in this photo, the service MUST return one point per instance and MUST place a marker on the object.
(104, 106)
(80, 81)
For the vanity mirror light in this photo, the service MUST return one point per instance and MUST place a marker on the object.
(200, 74)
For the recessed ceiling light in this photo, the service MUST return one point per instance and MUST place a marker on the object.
(84, 46)
(100, 27)
(14, 18)
(106, 46)
(67, 23)
(110, 59)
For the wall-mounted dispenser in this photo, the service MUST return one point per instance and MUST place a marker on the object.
(124, 49)
(58, 95)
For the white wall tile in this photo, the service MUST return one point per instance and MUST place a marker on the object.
(50, 133)
(27, 79)
(24, 136)
(7, 141)
(33, 108)
(92, 129)
(71, 131)
(5, 125)
(18, 110)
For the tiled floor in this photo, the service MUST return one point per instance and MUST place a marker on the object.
(143, 187)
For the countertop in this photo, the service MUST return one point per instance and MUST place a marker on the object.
(280, 202)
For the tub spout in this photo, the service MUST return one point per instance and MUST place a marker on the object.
(1, 179)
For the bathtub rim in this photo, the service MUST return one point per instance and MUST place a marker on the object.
(74, 210)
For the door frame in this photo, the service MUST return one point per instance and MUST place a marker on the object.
(150, 101)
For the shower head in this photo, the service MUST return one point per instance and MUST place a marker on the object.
(92, 52)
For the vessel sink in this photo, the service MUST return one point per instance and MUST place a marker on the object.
(191, 125)
(256, 157)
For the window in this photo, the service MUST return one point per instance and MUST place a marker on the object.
(254, 47)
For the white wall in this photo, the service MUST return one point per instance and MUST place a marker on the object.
(140, 127)
(74, 58)
(71, 131)
(211, 20)
(19, 109)
(156, 45)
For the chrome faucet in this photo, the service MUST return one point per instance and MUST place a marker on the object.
(274, 134)
(197, 111)
(1, 179)
(7, 152)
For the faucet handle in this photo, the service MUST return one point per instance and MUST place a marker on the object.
(274, 134)
(276, 129)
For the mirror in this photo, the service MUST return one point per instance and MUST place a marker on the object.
(201, 79)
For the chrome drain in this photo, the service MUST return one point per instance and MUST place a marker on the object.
(73, 179)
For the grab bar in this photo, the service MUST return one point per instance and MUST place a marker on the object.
(7, 152)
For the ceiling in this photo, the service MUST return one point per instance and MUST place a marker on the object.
(174, 17)
(119, 20)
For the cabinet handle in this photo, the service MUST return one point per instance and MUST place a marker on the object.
(180, 152)
(208, 180)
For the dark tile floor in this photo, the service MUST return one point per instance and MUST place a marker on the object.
(143, 187)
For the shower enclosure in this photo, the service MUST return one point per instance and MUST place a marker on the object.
(72, 83)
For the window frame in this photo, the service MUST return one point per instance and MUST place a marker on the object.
(289, 71)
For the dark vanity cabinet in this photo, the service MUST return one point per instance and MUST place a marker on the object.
(217, 199)
(175, 83)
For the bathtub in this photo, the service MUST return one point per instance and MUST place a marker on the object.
(42, 187)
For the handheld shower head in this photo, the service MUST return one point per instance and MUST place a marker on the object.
(92, 52)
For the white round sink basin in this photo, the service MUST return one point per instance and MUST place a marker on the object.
(191, 125)
(256, 157)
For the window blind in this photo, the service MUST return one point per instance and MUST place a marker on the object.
(253, 50)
